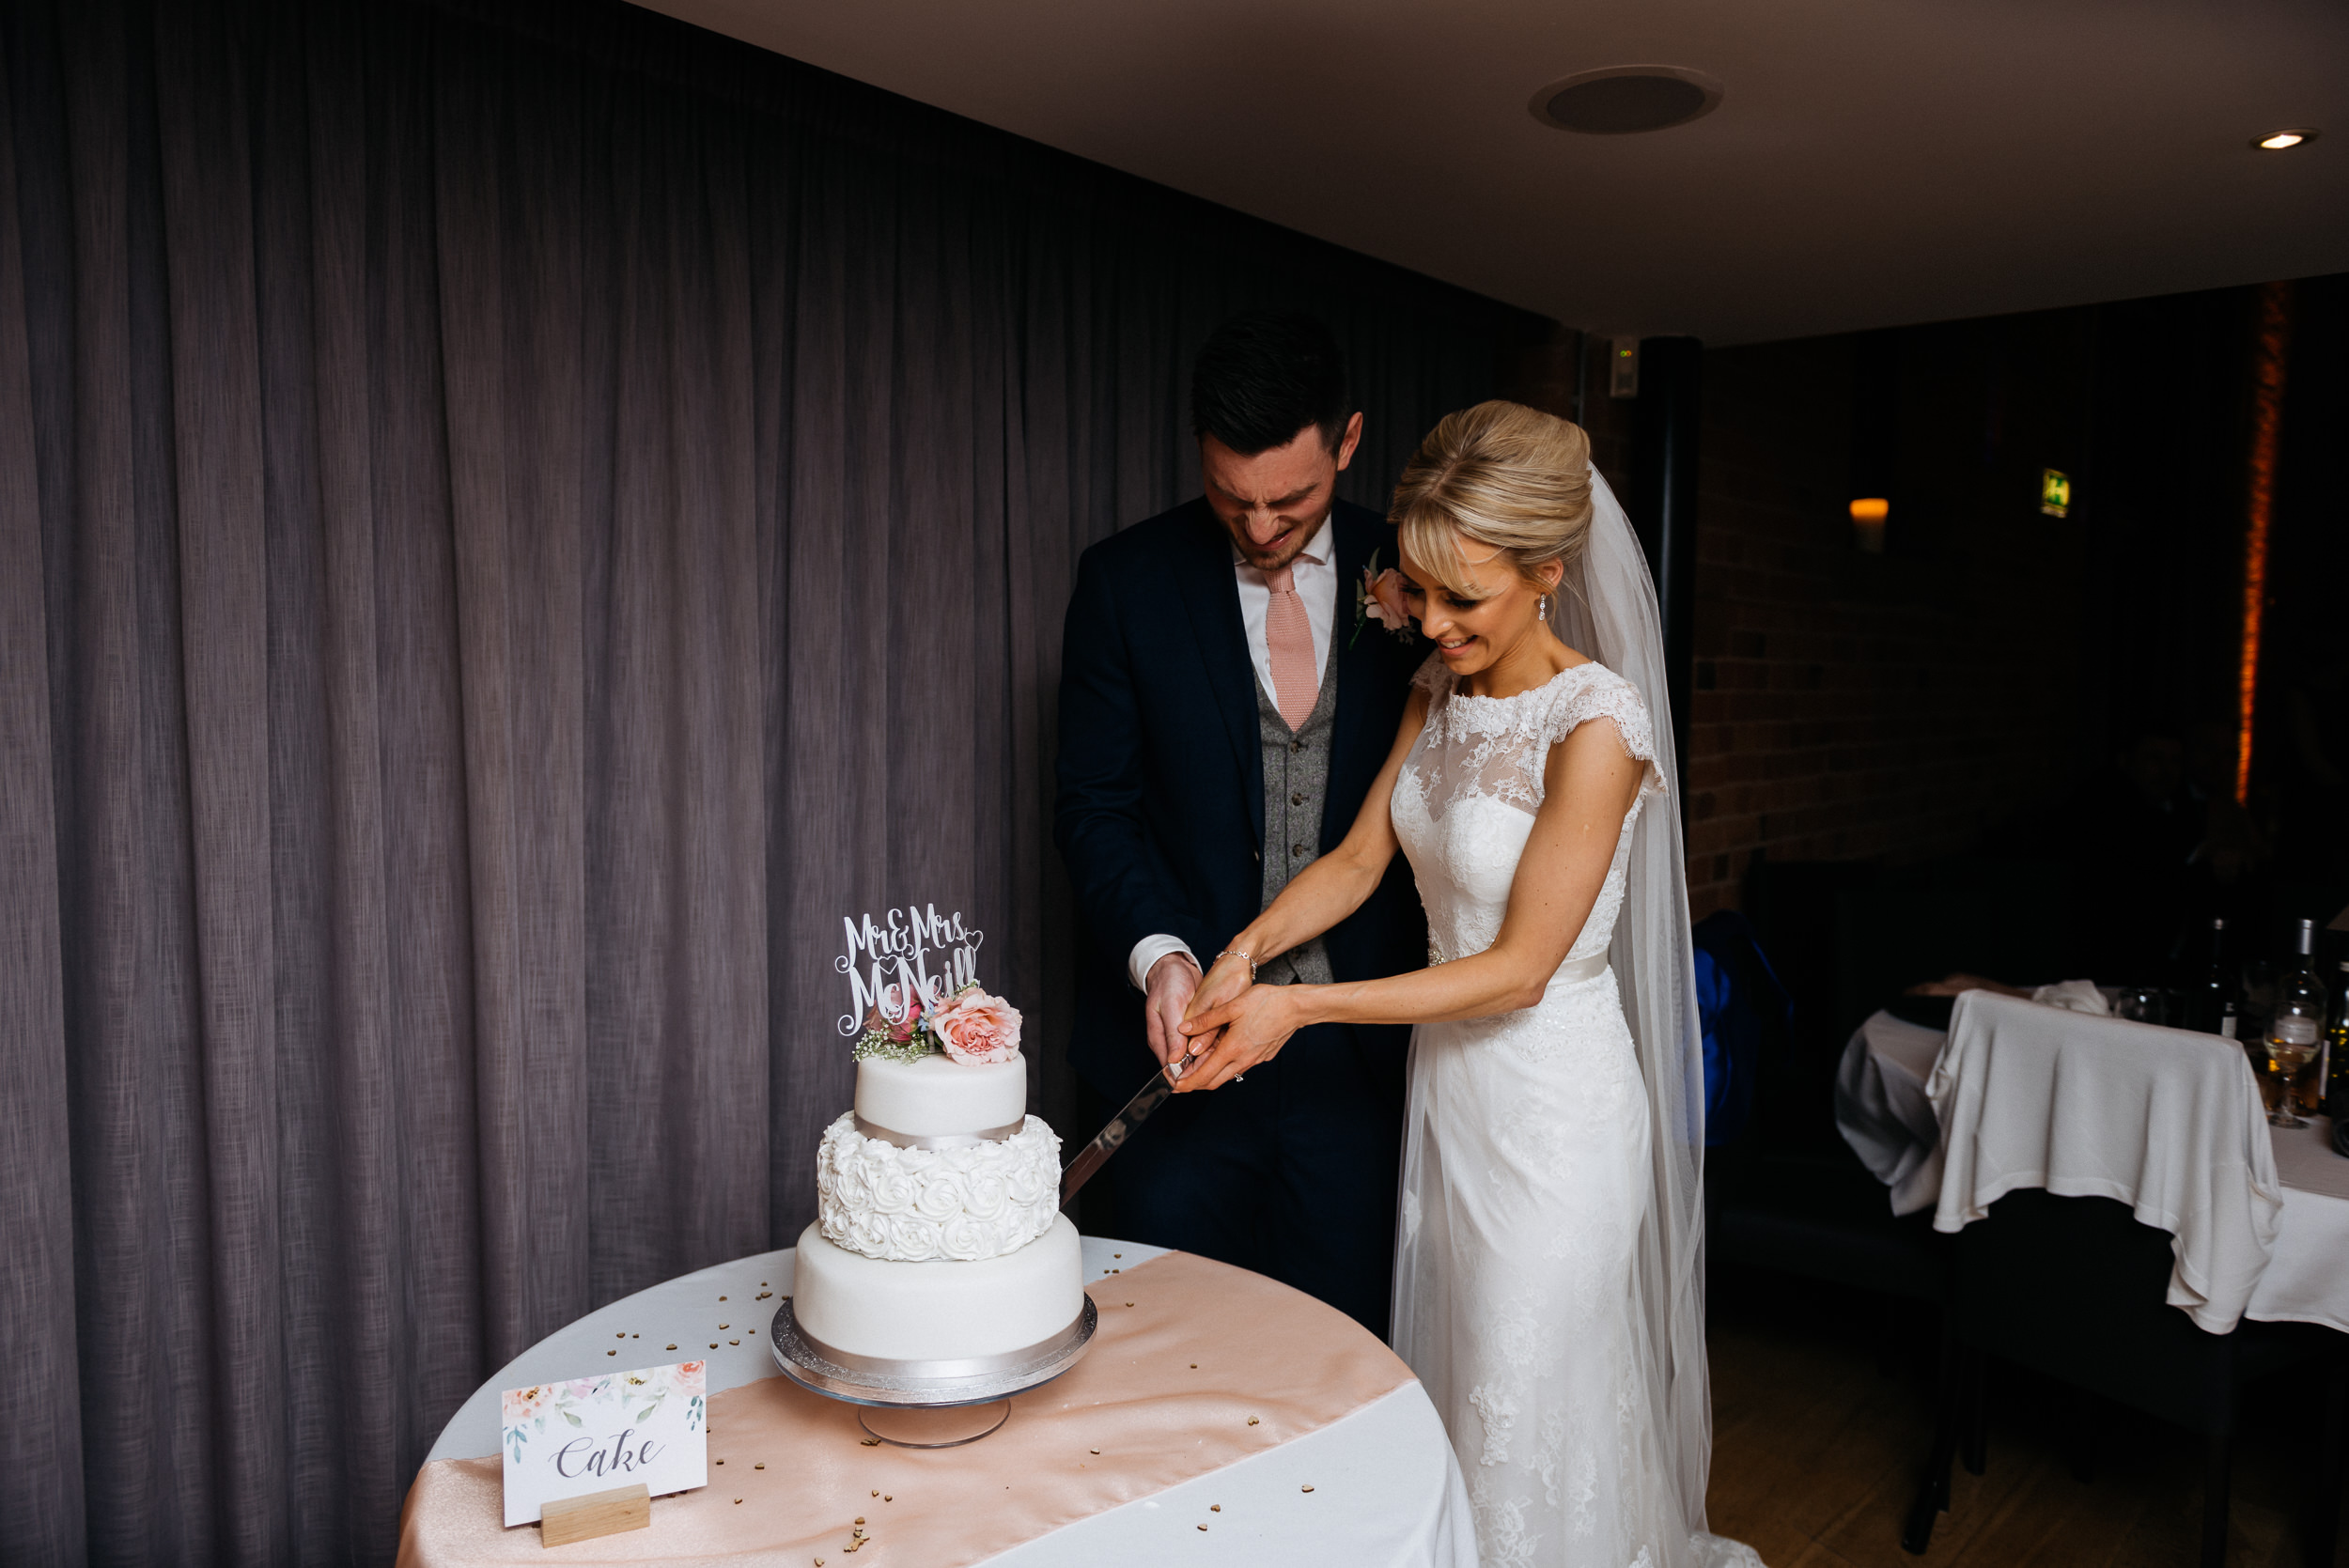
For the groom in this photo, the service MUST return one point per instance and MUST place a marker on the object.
(1223, 709)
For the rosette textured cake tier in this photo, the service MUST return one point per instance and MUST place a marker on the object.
(937, 1242)
(965, 1201)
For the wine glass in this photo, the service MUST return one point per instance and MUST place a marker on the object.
(2287, 1058)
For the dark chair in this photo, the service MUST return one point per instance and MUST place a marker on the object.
(1788, 1195)
(1820, 1217)
(2075, 1288)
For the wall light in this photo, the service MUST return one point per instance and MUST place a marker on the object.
(1867, 524)
(2277, 141)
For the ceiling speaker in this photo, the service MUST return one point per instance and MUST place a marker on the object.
(1619, 100)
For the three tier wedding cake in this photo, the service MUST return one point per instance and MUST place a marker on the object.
(939, 1249)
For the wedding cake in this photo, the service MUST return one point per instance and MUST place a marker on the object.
(937, 1238)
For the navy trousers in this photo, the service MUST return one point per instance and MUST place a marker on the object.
(1292, 1173)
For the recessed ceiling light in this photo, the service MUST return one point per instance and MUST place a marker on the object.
(2276, 141)
(1618, 100)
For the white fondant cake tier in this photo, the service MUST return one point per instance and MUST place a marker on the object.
(940, 1310)
(968, 1201)
(937, 1096)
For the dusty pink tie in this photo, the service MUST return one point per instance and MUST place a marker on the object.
(1289, 640)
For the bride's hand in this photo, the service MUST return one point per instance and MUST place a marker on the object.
(1254, 1026)
(1219, 986)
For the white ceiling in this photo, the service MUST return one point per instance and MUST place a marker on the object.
(1872, 161)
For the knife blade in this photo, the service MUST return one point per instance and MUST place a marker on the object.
(1105, 1142)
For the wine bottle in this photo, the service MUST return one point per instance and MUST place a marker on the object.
(2295, 1026)
(2206, 1000)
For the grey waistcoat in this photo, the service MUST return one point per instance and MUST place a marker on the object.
(1296, 778)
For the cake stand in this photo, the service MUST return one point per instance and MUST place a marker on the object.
(876, 1383)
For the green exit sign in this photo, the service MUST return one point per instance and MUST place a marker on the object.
(2055, 493)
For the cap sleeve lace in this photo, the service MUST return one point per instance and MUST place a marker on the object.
(1499, 747)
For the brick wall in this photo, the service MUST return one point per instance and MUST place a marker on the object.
(1852, 705)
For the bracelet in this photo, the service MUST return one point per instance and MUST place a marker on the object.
(1243, 958)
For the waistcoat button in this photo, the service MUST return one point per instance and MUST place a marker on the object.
(1297, 745)
(1297, 848)
(1297, 800)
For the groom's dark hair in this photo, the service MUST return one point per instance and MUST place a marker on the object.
(1266, 375)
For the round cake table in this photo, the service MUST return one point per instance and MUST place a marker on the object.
(1347, 1462)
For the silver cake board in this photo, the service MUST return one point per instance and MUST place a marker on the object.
(934, 1385)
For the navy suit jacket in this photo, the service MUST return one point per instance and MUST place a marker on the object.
(1160, 809)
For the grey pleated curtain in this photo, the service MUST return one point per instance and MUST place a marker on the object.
(513, 521)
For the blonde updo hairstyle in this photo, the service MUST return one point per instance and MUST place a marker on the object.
(1511, 479)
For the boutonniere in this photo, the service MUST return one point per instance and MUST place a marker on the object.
(1378, 596)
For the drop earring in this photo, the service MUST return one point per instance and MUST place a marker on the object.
(1541, 609)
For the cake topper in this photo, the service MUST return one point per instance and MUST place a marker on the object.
(900, 1010)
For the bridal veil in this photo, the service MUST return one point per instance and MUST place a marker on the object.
(1606, 608)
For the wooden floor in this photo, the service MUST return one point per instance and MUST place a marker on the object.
(1817, 1450)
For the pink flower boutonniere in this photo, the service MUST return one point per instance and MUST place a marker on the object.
(1378, 596)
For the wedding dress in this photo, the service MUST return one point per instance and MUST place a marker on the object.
(1548, 1290)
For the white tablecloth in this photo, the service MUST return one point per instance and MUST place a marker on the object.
(1387, 1489)
(1885, 1113)
(1881, 1106)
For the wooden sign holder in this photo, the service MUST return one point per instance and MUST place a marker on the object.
(568, 1520)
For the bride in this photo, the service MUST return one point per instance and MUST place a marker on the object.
(1548, 1287)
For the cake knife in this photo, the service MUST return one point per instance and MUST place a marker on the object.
(1105, 1142)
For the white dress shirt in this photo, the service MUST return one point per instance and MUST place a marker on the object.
(1314, 576)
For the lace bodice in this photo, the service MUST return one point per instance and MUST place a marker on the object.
(1465, 802)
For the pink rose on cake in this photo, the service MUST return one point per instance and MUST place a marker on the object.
(977, 1030)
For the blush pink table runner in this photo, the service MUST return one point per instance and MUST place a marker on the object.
(1195, 1366)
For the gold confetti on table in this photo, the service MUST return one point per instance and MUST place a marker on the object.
(1252, 1420)
(1304, 1488)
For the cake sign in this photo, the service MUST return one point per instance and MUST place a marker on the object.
(586, 1435)
(905, 964)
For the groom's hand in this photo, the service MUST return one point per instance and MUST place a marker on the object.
(1172, 979)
